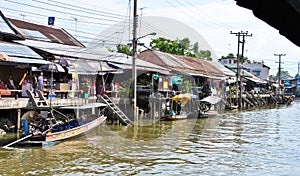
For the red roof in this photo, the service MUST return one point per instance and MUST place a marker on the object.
(48, 33)
(181, 63)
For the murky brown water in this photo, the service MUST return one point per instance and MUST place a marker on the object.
(259, 142)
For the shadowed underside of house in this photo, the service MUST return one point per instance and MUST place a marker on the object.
(283, 15)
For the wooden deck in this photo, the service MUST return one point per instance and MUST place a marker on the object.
(20, 103)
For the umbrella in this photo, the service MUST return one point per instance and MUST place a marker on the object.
(182, 97)
(53, 67)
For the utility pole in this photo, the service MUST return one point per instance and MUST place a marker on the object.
(279, 69)
(75, 19)
(238, 70)
(134, 76)
(141, 9)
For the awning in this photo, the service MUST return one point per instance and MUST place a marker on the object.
(53, 48)
(256, 80)
(212, 99)
(100, 66)
(16, 50)
(29, 61)
(207, 76)
(79, 66)
(138, 67)
(88, 67)
(125, 62)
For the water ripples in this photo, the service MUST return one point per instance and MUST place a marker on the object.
(258, 142)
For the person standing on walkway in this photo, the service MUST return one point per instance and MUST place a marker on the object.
(34, 83)
(41, 82)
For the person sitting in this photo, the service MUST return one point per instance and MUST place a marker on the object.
(11, 83)
(29, 117)
(2, 85)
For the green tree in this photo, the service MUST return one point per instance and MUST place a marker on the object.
(232, 56)
(229, 56)
(179, 47)
(205, 54)
(124, 49)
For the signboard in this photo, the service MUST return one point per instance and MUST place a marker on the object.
(298, 81)
(164, 83)
(177, 79)
(287, 82)
(51, 21)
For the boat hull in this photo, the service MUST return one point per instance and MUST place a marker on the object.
(51, 138)
(174, 117)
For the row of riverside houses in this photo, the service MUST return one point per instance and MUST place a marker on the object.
(259, 69)
(26, 47)
(26, 51)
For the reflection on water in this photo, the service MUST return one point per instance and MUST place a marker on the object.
(258, 142)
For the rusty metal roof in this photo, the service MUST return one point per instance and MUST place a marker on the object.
(44, 33)
(181, 64)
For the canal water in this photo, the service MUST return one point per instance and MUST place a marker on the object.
(257, 142)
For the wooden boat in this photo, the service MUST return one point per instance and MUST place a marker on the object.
(173, 107)
(63, 131)
(60, 135)
(205, 106)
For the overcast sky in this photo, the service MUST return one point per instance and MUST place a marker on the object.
(213, 19)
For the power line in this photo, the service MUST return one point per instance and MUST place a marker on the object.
(61, 18)
(194, 9)
(62, 12)
(81, 9)
(186, 13)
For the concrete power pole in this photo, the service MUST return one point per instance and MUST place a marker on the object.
(279, 69)
(134, 75)
(238, 72)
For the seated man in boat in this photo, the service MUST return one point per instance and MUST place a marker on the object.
(30, 117)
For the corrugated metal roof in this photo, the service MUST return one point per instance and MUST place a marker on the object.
(4, 27)
(125, 62)
(52, 33)
(202, 65)
(68, 51)
(13, 49)
(162, 59)
(29, 61)
(53, 48)
(245, 74)
(81, 66)
(182, 64)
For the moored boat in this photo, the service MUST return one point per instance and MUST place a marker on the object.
(174, 117)
(58, 127)
(63, 131)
